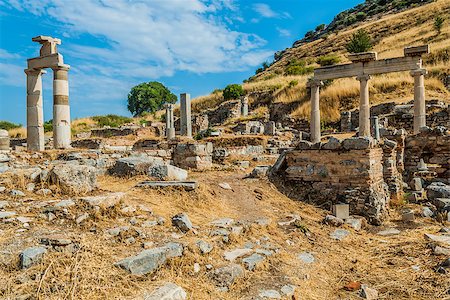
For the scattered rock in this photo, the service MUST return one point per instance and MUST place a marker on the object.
(232, 255)
(259, 172)
(427, 212)
(225, 276)
(7, 214)
(44, 192)
(339, 234)
(204, 247)
(104, 201)
(389, 231)
(368, 293)
(196, 267)
(355, 223)
(306, 257)
(182, 222)
(17, 193)
(149, 260)
(55, 240)
(168, 172)
(168, 291)
(3, 204)
(408, 215)
(76, 179)
(65, 203)
(356, 143)
(81, 218)
(31, 256)
(269, 294)
(288, 290)
(131, 166)
(252, 261)
(437, 250)
(438, 190)
(225, 186)
(333, 221)
(222, 223)
(444, 239)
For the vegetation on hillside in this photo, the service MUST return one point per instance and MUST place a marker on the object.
(5, 125)
(360, 42)
(149, 97)
(233, 91)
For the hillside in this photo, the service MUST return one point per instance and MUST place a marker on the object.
(390, 34)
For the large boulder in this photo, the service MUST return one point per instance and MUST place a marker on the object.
(149, 260)
(74, 179)
(135, 165)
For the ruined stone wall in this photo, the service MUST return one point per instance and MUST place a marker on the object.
(433, 146)
(324, 177)
(193, 156)
(224, 111)
(109, 132)
(199, 123)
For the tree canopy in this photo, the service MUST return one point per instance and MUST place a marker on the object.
(360, 42)
(149, 97)
(233, 91)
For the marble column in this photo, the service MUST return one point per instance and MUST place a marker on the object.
(315, 110)
(419, 99)
(244, 106)
(61, 109)
(185, 115)
(170, 124)
(364, 106)
(35, 113)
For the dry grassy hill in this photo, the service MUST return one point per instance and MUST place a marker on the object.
(390, 33)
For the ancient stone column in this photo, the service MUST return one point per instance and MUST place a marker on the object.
(185, 115)
(170, 124)
(244, 106)
(419, 99)
(364, 106)
(61, 108)
(315, 110)
(35, 113)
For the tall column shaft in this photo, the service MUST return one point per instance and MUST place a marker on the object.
(244, 106)
(185, 115)
(35, 112)
(364, 106)
(419, 99)
(315, 110)
(61, 109)
(170, 125)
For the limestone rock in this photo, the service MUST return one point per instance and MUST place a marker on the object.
(31, 256)
(438, 190)
(288, 290)
(104, 201)
(252, 261)
(225, 186)
(332, 144)
(368, 293)
(204, 247)
(7, 214)
(260, 172)
(233, 254)
(443, 239)
(131, 166)
(355, 223)
(149, 260)
(225, 276)
(333, 221)
(306, 257)
(182, 222)
(168, 172)
(269, 294)
(168, 291)
(17, 193)
(357, 143)
(339, 234)
(75, 179)
(389, 231)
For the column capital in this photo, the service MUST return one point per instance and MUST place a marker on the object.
(363, 77)
(419, 72)
(312, 82)
(61, 68)
(35, 72)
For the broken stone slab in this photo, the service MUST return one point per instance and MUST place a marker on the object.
(333, 221)
(252, 261)
(55, 240)
(437, 250)
(332, 144)
(3, 204)
(306, 257)
(7, 214)
(187, 185)
(339, 234)
(182, 222)
(168, 291)
(236, 253)
(222, 223)
(65, 203)
(427, 212)
(225, 276)
(443, 239)
(441, 203)
(104, 201)
(356, 143)
(225, 186)
(355, 223)
(31, 256)
(288, 290)
(149, 260)
(260, 172)
(135, 165)
(438, 190)
(75, 179)
(408, 215)
(167, 172)
(389, 231)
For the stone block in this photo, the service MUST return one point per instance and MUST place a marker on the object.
(168, 172)
(31, 256)
(131, 166)
(416, 184)
(341, 211)
(168, 291)
(73, 178)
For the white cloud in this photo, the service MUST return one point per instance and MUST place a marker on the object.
(264, 10)
(283, 32)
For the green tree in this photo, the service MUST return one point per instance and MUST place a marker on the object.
(328, 60)
(149, 97)
(438, 24)
(233, 91)
(320, 27)
(360, 42)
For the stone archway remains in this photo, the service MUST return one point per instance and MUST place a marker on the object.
(362, 66)
(48, 58)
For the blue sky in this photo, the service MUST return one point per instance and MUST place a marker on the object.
(192, 46)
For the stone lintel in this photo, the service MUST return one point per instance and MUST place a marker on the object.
(54, 60)
(362, 57)
(46, 39)
(363, 77)
(416, 50)
(419, 72)
(397, 64)
(35, 72)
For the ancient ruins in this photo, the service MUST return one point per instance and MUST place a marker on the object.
(48, 58)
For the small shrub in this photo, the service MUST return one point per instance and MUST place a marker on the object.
(438, 24)
(328, 60)
(233, 91)
(360, 42)
(361, 16)
(320, 27)
(111, 120)
(292, 83)
(299, 70)
(270, 76)
(5, 125)
(48, 126)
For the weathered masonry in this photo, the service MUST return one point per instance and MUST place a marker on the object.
(48, 58)
(363, 66)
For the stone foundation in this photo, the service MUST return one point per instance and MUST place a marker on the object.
(193, 156)
(350, 172)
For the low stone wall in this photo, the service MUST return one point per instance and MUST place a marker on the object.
(433, 146)
(350, 172)
(224, 111)
(88, 143)
(109, 132)
(193, 156)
